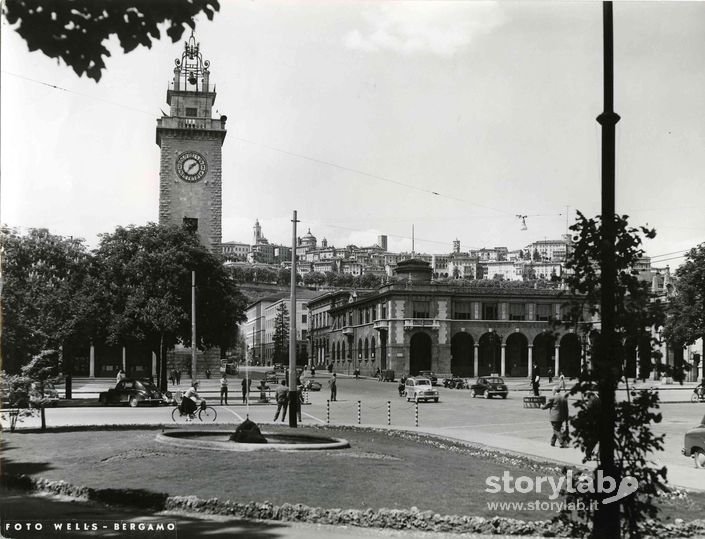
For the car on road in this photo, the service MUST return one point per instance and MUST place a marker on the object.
(133, 392)
(489, 386)
(420, 389)
(455, 383)
(312, 385)
(430, 376)
(694, 444)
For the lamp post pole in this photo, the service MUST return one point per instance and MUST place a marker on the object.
(293, 389)
(193, 327)
(607, 521)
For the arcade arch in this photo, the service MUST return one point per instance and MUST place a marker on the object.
(462, 348)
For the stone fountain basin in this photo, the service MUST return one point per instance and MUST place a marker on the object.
(218, 440)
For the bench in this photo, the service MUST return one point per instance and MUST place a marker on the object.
(534, 402)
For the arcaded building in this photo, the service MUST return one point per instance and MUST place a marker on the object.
(416, 324)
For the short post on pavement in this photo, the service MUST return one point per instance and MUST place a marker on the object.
(328, 412)
(359, 412)
(389, 413)
(416, 413)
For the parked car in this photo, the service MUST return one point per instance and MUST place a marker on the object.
(133, 392)
(312, 385)
(420, 389)
(694, 444)
(279, 367)
(430, 376)
(489, 386)
(455, 383)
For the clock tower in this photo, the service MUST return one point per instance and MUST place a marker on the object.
(191, 141)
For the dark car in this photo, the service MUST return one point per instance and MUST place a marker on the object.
(133, 392)
(694, 444)
(455, 383)
(312, 385)
(430, 376)
(488, 386)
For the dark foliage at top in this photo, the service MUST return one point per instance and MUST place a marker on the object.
(75, 30)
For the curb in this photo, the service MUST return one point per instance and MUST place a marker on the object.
(394, 519)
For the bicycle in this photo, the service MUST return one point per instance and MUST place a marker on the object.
(697, 396)
(205, 414)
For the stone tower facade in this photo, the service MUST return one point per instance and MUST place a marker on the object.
(190, 173)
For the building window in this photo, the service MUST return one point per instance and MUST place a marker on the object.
(373, 346)
(463, 310)
(543, 312)
(191, 112)
(384, 310)
(367, 348)
(489, 311)
(421, 309)
(303, 318)
(517, 311)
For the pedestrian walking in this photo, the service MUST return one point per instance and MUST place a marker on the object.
(245, 390)
(561, 382)
(224, 390)
(550, 376)
(177, 375)
(313, 371)
(172, 377)
(536, 380)
(208, 374)
(333, 388)
(557, 406)
(282, 394)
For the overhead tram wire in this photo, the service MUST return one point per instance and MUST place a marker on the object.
(511, 213)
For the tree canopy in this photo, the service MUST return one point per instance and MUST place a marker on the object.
(42, 276)
(145, 279)
(75, 31)
(686, 321)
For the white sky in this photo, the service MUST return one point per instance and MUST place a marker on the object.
(354, 113)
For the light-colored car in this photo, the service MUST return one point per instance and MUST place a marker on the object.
(420, 389)
(694, 444)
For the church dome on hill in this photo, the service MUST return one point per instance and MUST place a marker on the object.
(309, 239)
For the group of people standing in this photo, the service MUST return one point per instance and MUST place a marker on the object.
(175, 376)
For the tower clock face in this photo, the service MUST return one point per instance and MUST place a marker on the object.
(191, 166)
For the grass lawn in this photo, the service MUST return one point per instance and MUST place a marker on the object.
(381, 469)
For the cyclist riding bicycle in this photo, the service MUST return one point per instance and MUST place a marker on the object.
(701, 389)
(189, 402)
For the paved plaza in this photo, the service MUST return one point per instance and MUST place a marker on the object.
(496, 423)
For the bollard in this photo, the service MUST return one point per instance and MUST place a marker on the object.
(416, 413)
(389, 413)
(359, 415)
(328, 412)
